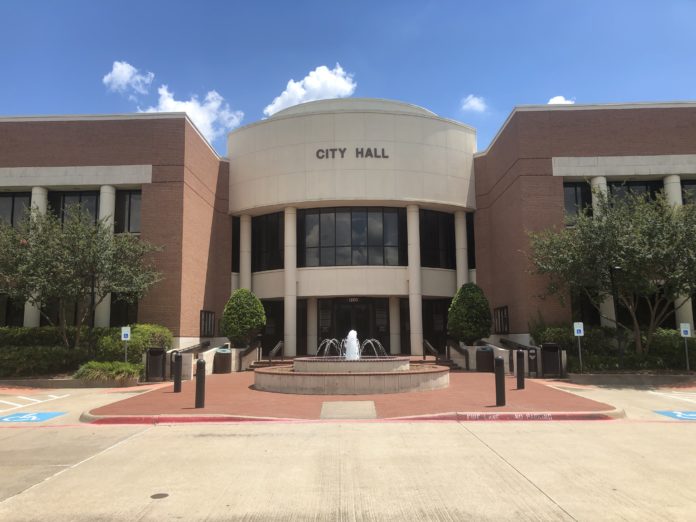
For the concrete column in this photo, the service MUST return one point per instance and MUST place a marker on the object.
(39, 200)
(312, 325)
(245, 251)
(107, 209)
(394, 325)
(673, 192)
(461, 248)
(606, 307)
(415, 294)
(290, 307)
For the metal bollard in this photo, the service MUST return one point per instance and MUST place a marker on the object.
(200, 383)
(178, 362)
(499, 365)
(520, 369)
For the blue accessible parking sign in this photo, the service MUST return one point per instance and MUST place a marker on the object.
(680, 415)
(31, 417)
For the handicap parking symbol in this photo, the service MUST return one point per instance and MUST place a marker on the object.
(31, 417)
(679, 415)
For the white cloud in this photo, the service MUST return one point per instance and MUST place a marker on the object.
(212, 116)
(474, 103)
(319, 84)
(561, 100)
(124, 77)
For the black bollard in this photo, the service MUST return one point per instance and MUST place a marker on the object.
(499, 381)
(520, 370)
(200, 383)
(177, 372)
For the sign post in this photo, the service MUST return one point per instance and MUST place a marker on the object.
(125, 337)
(579, 331)
(685, 330)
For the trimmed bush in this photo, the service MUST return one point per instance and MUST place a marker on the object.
(24, 361)
(242, 318)
(469, 317)
(108, 371)
(143, 336)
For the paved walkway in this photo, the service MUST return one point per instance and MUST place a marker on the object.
(233, 394)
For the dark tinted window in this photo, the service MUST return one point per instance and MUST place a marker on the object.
(267, 242)
(59, 202)
(351, 236)
(688, 191)
(437, 239)
(621, 188)
(235, 244)
(13, 206)
(577, 197)
(127, 215)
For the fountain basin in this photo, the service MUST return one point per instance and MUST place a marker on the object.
(343, 365)
(285, 379)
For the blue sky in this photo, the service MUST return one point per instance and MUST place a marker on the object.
(54, 56)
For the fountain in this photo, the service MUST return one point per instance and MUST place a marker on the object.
(346, 368)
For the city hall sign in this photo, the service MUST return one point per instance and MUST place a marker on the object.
(360, 152)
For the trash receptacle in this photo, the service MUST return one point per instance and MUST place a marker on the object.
(484, 359)
(222, 362)
(550, 360)
(154, 364)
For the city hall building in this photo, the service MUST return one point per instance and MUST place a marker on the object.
(343, 214)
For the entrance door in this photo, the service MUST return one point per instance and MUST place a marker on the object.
(352, 316)
(368, 316)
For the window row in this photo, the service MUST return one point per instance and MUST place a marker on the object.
(352, 236)
(127, 212)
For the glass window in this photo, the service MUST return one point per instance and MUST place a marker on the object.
(470, 241)
(352, 236)
(127, 213)
(577, 197)
(688, 191)
(59, 202)
(328, 228)
(620, 188)
(13, 206)
(235, 243)
(359, 227)
(437, 239)
(267, 242)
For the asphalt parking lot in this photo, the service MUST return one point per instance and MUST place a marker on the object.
(639, 467)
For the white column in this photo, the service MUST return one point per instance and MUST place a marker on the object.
(673, 192)
(415, 297)
(245, 251)
(107, 208)
(394, 325)
(39, 200)
(312, 325)
(460, 247)
(606, 307)
(290, 307)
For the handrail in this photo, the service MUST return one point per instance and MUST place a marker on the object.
(457, 348)
(277, 348)
(193, 348)
(427, 347)
(514, 345)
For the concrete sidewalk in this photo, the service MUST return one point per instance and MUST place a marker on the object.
(470, 396)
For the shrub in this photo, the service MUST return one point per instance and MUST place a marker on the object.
(108, 371)
(242, 318)
(22, 361)
(143, 336)
(469, 317)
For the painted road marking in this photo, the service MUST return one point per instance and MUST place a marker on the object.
(31, 402)
(682, 396)
(680, 415)
(31, 417)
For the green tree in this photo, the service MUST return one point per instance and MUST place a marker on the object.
(243, 317)
(469, 317)
(642, 251)
(72, 262)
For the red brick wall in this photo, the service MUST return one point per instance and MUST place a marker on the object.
(516, 191)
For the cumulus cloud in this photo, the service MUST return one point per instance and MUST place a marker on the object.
(561, 100)
(474, 103)
(124, 77)
(319, 84)
(212, 116)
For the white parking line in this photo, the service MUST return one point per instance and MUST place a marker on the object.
(27, 398)
(33, 402)
(682, 396)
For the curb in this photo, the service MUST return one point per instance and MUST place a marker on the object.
(89, 417)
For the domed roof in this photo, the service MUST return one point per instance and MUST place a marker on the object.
(354, 105)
